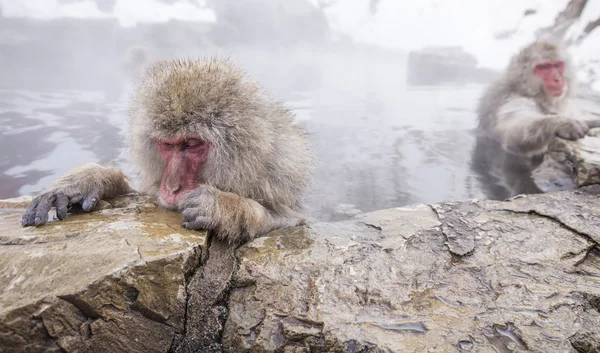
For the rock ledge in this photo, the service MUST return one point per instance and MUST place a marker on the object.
(478, 276)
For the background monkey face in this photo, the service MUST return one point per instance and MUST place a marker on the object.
(183, 159)
(552, 75)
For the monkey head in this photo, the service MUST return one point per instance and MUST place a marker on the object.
(197, 122)
(541, 70)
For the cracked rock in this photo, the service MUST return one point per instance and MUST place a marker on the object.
(584, 156)
(477, 276)
(110, 281)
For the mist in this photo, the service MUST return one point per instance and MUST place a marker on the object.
(386, 89)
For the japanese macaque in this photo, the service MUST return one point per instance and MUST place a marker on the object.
(208, 142)
(522, 114)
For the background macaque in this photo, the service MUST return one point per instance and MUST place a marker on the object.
(521, 115)
(209, 143)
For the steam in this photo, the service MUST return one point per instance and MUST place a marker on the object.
(67, 75)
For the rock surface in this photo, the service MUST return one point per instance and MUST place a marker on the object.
(481, 276)
(570, 164)
(585, 157)
(478, 276)
(110, 281)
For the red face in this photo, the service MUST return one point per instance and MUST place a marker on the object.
(183, 159)
(551, 73)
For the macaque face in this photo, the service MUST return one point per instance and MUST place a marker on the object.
(183, 159)
(551, 73)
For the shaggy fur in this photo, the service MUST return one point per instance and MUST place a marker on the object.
(532, 118)
(259, 162)
(518, 122)
(519, 81)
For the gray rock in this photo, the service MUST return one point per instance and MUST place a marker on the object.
(585, 156)
(110, 281)
(479, 276)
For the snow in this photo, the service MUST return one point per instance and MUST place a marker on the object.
(587, 54)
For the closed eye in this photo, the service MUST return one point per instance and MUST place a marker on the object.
(544, 66)
(165, 145)
(193, 143)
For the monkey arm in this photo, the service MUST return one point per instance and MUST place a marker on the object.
(234, 218)
(86, 184)
(523, 129)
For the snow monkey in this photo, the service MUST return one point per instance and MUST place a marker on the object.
(209, 142)
(522, 113)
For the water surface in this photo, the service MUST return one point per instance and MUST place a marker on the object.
(378, 142)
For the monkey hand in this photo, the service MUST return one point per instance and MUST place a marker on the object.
(571, 129)
(234, 218)
(37, 212)
(85, 185)
(199, 208)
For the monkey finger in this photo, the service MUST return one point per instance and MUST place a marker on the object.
(61, 204)
(582, 126)
(28, 219)
(75, 199)
(198, 223)
(90, 201)
(585, 127)
(45, 205)
(190, 214)
(566, 134)
(579, 131)
(188, 203)
(569, 131)
(593, 123)
(197, 194)
(29, 215)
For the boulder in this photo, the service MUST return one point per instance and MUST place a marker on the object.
(585, 157)
(570, 164)
(479, 276)
(110, 281)
(445, 65)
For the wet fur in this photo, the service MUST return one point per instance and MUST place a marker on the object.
(256, 154)
(258, 165)
(519, 80)
(517, 154)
